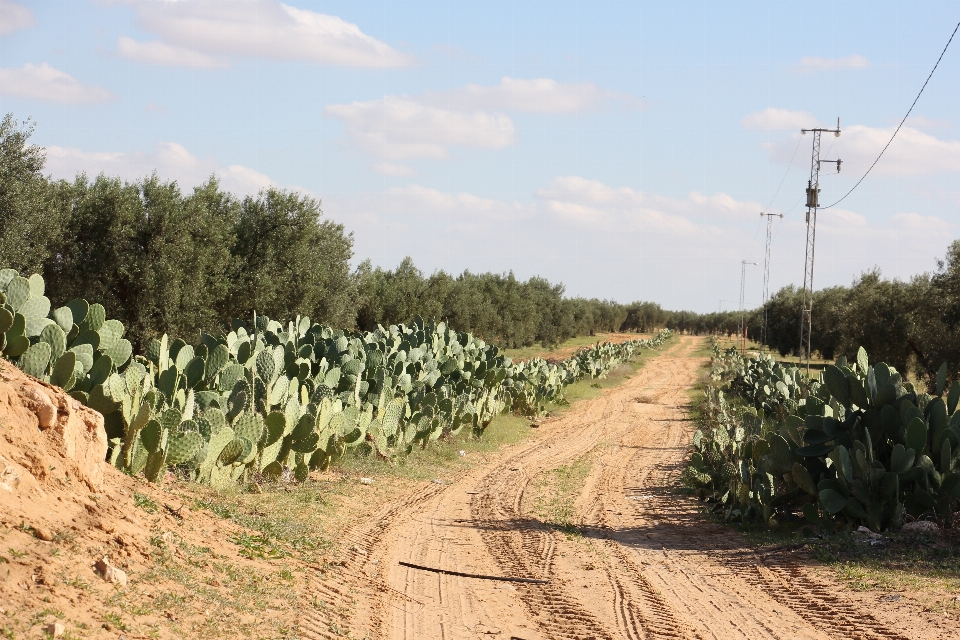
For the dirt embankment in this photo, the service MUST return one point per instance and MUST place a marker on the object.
(87, 552)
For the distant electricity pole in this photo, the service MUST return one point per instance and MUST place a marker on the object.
(742, 327)
(813, 202)
(766, 275)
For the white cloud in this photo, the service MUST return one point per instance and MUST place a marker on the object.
(811, 64)
(912, 152)
(922, 225)
(263, 29)
(170, 160)
(43, 82)
(393, 169)
(772, 119)
(592, 202)
(600, 240)
(14, 16)
(539, 95)
(165, 54)
(923, 122)
(456, 207)
(396, 128)
(425, 126)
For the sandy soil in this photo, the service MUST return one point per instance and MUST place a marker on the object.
(590, 503)
(175, 572)
(641, 562)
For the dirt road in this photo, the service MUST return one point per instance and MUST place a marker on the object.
(641, 563)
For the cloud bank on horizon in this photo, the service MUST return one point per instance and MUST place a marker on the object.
(478, 138)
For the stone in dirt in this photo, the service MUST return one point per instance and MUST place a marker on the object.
(42, 533)
(110, 573)
(55, 629)
(9, 478)
(922, 526)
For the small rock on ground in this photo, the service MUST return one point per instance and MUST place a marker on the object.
(922, 526)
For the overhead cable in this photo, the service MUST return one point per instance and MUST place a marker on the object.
(901, 122)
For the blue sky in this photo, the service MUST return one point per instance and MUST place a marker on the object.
(625, 149)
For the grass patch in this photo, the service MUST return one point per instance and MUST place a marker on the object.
(259, 546)
(590, 388)
(442, 456)
(145, 502)
(556, 491)
(925, 567)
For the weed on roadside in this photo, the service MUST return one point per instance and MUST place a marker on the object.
(145, 502)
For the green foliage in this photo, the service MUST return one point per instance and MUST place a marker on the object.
(270, 398)
(912, 325)
(30, 223)
(497, 307)
(163, 261)
(859, 446)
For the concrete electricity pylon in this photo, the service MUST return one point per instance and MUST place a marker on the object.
(813, 202)
(766, 275)
(741, 327)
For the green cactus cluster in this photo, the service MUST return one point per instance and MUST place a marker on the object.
(74, 347)
(271, 399)
(859, 446)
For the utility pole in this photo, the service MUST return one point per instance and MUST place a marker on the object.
(813, 202)
(766, 275)
(742, 328)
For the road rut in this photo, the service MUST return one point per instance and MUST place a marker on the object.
(643, 564)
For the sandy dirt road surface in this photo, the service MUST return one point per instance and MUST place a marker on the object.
(642, 563)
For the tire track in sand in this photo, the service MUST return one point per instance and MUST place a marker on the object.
(663, 571)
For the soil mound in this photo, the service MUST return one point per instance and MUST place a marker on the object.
(89, 552)
(50, 442)
(67, 516)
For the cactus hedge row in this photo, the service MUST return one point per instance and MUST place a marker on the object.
(269, 398)
(859, 446)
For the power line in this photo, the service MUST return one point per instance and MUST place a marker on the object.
(785, 173)
(901, 122)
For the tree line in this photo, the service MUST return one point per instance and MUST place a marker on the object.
(164, 261)
(913, 325)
